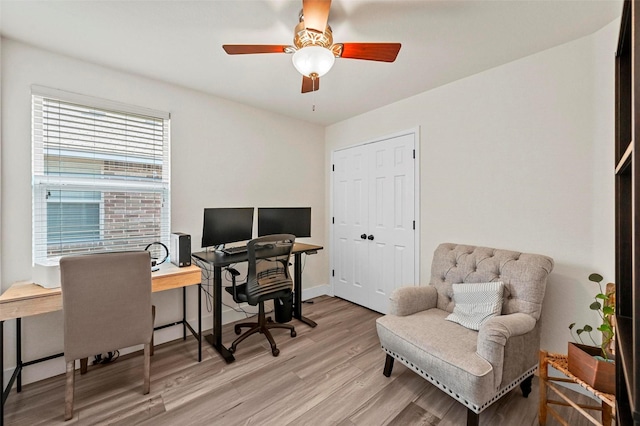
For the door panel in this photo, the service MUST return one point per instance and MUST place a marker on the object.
(350, 221)
(375, 199)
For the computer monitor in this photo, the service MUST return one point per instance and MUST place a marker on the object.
(284, 220)
(226, 225)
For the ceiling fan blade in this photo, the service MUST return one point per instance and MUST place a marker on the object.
(383, 52)
(316, 14)
(242, 49)
(309, 85)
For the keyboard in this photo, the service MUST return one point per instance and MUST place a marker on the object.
(234, 250)
(243, 249)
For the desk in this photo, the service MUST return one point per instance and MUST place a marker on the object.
(219, 260)
(25, 299)
(559, 362)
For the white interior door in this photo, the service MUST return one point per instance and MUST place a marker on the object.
(351, 220)
(374, 228)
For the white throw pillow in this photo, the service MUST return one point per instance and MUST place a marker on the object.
(475, 303)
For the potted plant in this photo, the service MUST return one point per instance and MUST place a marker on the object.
(594, 364)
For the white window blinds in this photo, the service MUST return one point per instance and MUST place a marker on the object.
(100, 176)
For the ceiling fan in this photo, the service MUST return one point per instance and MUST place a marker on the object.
(313, 50)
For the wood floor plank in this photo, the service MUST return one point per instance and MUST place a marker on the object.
(390, 400)
(313, 392)
(413, 414)
(328, 375)
(205, 407)
(126, 414)
(260, 398)
(345, 401)
(432, 399)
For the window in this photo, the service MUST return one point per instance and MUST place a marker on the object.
(100, 175)
(83, 206)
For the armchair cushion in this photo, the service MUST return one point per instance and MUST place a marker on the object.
(425, 339)
(476, 303)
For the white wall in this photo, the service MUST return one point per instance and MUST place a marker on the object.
(518, 157)
(223, 154)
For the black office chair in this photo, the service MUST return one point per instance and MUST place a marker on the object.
(267, 278)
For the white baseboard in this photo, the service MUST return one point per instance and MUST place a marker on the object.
(56, 366)
(316, 291)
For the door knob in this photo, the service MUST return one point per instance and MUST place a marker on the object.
(363, 236)
(370, 237)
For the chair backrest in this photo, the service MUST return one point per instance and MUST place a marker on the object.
(524, 275)
(268, 270)
(106, 302)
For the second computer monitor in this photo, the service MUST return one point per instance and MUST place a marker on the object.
(284, 220)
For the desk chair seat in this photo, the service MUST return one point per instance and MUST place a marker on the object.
(106, 305)
(268, 278)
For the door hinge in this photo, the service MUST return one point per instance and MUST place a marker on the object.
(414, 154)
(333, 219)
(333, 272)
(414, 225)
(333, 167)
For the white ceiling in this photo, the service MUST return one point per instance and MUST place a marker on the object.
(180, 42)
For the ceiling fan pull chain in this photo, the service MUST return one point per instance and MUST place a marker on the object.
(313, 93)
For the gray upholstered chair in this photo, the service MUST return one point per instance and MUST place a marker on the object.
(268, 278)
(474, 367)
(107, 305)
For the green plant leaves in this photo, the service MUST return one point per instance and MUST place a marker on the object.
(596, 278)
(605, 328)
(604, 305)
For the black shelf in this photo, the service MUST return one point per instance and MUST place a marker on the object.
(625, 353)
(627, 216)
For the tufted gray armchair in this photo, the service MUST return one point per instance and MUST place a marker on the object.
(474, 367)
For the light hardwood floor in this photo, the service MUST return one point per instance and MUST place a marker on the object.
(328, 375)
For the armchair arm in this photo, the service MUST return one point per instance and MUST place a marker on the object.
(493, 336)
(409, 300)
(500, 328)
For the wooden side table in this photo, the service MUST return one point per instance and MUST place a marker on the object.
(559, 362)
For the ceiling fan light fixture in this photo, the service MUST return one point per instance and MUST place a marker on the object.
(313, 61)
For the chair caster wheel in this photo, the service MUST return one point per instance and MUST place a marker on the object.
(237, 330)
(293, 333)
(275, 352)
(232, 350)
